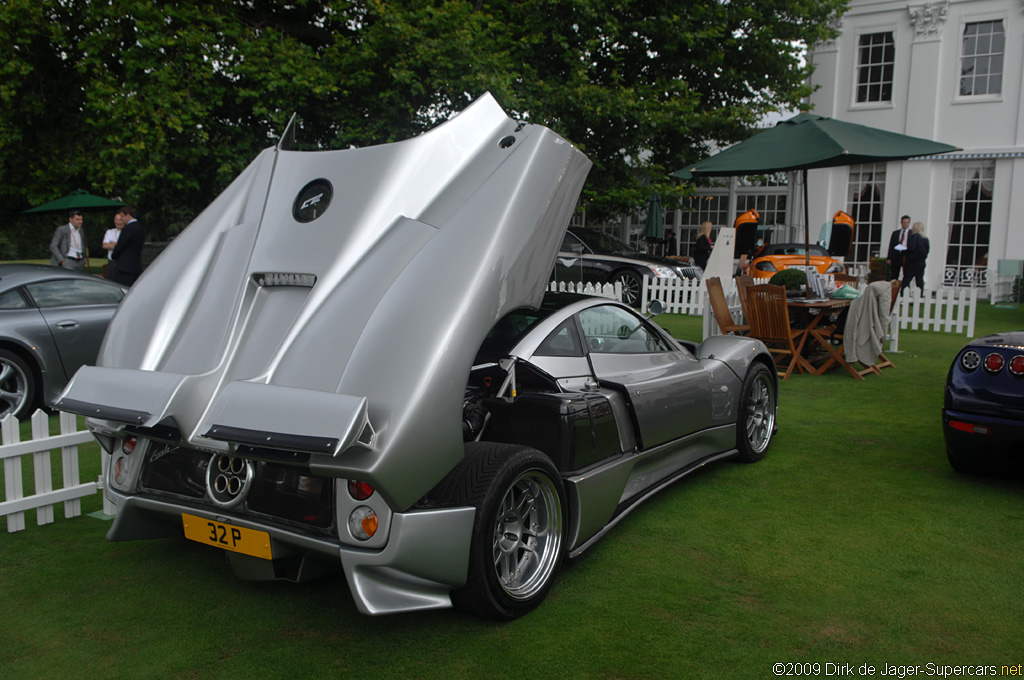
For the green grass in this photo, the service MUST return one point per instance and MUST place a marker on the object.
(852, 542)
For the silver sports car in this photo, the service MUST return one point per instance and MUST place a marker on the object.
(348, 362)
(51, 322)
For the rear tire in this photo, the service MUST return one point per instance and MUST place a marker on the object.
(519, 530)
(755, 424)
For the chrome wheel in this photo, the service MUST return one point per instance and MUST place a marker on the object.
(14, 385)
(527, 535)
(630, 288)
(760, 413)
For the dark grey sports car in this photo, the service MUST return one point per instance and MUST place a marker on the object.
(52, 322)
(348, 362)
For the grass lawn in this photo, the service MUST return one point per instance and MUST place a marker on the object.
(852, 542)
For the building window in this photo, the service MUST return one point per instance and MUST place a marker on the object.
(875, 58)
(981, 61)
(970, 224)
(867, 194)
(713, 205)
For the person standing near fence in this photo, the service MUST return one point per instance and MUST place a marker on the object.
(897, 257)
(702, 247)
(917, 254)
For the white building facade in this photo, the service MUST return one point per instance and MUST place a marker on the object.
(951, 71)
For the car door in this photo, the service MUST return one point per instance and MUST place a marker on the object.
(577, 262)
(77, 313)
(668, 389)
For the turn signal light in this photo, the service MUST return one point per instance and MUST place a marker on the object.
(360, 491)
(362, 523)
(994, 362)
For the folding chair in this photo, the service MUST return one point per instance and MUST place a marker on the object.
(720, 308)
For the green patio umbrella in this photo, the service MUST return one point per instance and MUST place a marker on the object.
(80, 200)
(655, 223)
(808, 141)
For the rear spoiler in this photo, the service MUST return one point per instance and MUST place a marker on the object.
(330, 423)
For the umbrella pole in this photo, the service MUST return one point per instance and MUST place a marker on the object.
(807, 235)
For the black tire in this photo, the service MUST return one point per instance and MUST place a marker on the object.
(632, 284)
(755, 422)
(512, 562)
(17, 385)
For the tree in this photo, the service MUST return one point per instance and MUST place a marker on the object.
(163, 103)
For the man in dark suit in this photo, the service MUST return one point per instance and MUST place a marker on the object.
(128, 251)
(897, 258)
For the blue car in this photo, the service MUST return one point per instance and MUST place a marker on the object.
(983, 410)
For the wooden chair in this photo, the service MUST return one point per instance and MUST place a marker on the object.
(720, 308)
(742, 284)
(770, 321)
(846, 279)
(883, 361)
(836, 334)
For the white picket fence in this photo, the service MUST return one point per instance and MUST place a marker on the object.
(13, 451)
(608, 290)
(952, 310)
(680, 296)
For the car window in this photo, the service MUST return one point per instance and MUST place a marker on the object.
(505, 334)
(564, 341)
(12, 300)
(69, 292)
(600, 242)
(571, 244)
(613, 330)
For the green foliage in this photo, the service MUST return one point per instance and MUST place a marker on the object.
(163, 103)
(792, 279)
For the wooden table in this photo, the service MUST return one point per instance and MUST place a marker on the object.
(813, 312)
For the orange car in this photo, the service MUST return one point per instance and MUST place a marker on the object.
(774, 257)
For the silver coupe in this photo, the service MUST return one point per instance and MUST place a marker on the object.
(348, 362)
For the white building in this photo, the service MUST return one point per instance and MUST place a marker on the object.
(950, 71)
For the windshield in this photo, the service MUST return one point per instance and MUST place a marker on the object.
(794, 249)
(600, 242)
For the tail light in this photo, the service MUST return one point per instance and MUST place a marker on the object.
(994, 362)
(360, 491)
(128, 445)
(1017, 365)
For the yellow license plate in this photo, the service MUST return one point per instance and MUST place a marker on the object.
(227, 536)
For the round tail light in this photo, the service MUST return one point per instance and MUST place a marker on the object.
(1017, 365)
(994, 362)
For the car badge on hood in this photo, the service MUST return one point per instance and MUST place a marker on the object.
(312, 201)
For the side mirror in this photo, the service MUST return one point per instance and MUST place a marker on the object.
(655, 308)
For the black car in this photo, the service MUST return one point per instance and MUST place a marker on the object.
(591, 256)
(983, 410)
